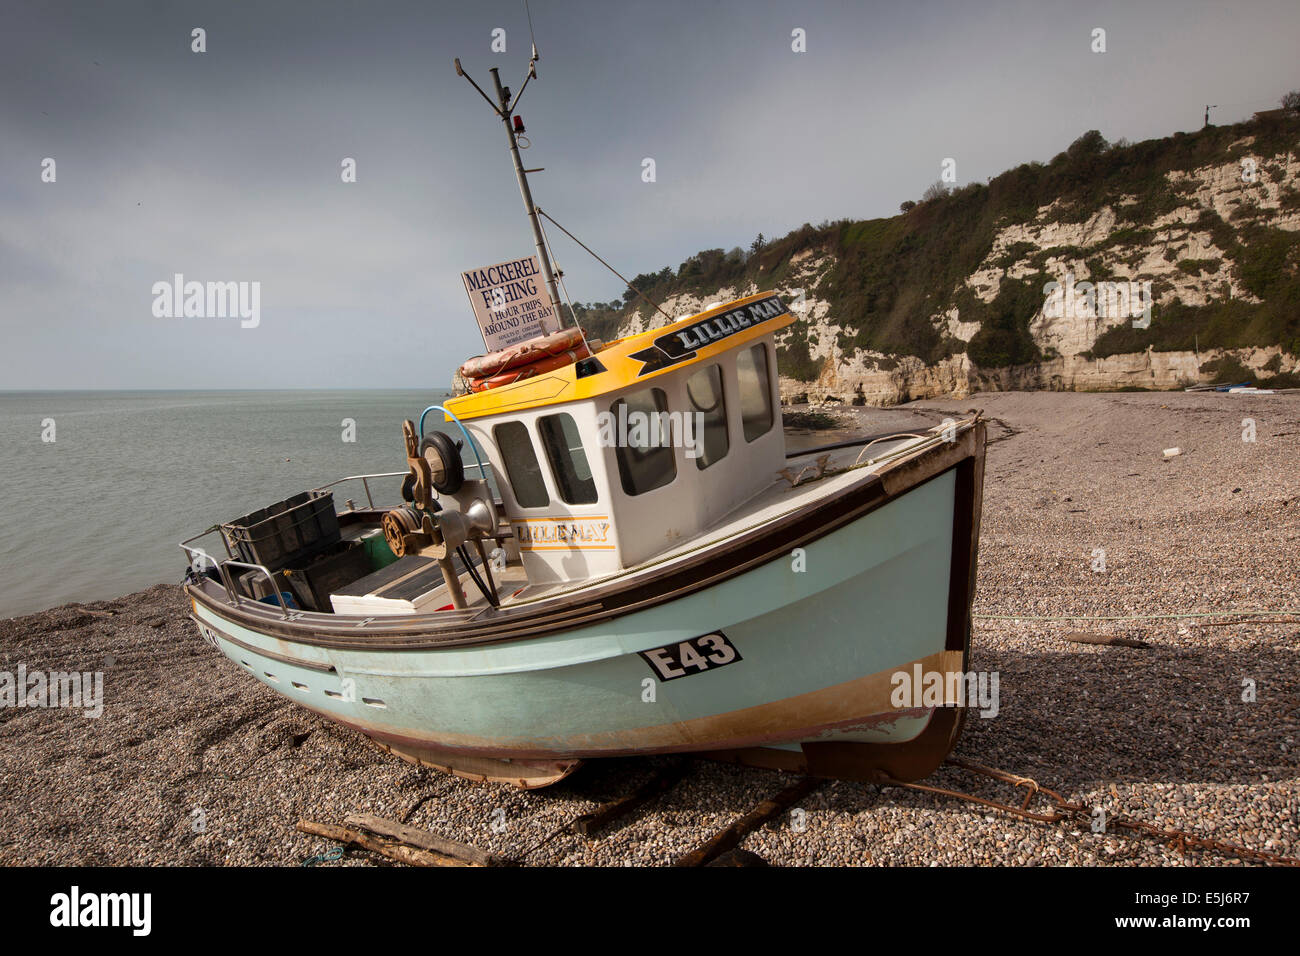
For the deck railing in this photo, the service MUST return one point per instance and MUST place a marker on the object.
(365, 483)
(200, 559)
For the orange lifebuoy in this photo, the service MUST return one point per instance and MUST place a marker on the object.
(548, 364)
(524, 354)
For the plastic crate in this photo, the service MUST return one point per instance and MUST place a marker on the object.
(286, 532)
(313, 582)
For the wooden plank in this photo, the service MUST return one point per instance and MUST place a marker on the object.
(377, 582)
(730, 837)
(591, 823)
(403, 854)
(422, 839)
(1107, 640)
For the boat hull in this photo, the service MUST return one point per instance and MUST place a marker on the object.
(791, 662)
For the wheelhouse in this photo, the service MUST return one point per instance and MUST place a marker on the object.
(608, 462)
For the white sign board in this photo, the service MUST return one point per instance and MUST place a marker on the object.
(510, 302)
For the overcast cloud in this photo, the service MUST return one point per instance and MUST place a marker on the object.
(225, 165)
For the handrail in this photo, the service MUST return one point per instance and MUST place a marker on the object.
(184, 545)
(377, 474)
(364, 479)
(200, 559)
(233, 592)
(365, 482)
(204, 559)
(850, 443)
(223, 567)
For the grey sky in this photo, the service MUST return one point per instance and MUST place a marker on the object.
(225, 165)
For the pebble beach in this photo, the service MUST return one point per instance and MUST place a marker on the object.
(1087, 526)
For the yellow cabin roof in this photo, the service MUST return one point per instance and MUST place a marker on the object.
(637, 358)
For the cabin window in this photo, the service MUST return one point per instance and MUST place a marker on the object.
(521, 464)
(755, 392)
(569, 465)
(643, 444)
(704, 390)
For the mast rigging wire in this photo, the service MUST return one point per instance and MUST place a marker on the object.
(605, 264)
(532, 39)
(559, 274)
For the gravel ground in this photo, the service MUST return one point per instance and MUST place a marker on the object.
(192, 763)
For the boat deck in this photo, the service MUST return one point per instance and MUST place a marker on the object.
(807, 480)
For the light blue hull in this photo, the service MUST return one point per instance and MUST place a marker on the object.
(811, 631)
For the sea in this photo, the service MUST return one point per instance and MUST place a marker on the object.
(98, 488)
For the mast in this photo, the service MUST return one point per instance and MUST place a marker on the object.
(505, 109)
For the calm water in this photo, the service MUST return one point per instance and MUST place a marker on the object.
(98, 512)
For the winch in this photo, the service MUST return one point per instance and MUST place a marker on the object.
(428, 529)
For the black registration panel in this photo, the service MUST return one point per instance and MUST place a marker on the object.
(695, 656)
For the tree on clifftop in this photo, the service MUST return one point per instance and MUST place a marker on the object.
(1089, 144)
(936, 190)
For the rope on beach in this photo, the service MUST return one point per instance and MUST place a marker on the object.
(1065, 810)
(329, 856)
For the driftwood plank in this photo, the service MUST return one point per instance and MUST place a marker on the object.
(422, 839)
(591, 823)
(728, 839)
(403, 854)
(1107, 640)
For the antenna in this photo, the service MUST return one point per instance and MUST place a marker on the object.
(531, 38)
(505, 109)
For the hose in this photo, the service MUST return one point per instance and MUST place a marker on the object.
(473, 445)
(478, 582)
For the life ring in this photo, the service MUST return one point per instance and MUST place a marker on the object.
(548, 364)
(525, 353)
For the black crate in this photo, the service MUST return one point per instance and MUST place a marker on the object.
(286, 532)
(313, 582)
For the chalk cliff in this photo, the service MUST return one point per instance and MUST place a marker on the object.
(1151, 270)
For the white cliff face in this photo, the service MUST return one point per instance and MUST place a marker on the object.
(874, 379)
(951, 323)
(1251, 180)
(1149, 370)
(798, 291)
(1140, 263)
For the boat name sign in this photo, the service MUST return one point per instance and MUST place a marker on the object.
(681, 345)
(564, 533)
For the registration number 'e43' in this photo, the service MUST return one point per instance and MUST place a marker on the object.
(695, 656)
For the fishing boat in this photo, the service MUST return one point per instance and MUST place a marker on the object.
(603, 549)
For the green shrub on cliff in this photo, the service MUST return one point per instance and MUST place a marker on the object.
(891, 276)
